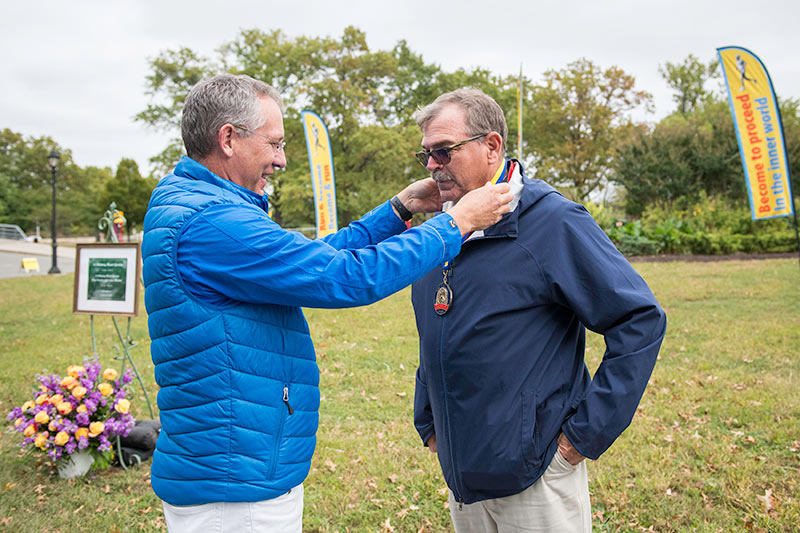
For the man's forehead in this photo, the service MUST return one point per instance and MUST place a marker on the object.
(447, 127)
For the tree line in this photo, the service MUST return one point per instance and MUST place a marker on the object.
(578, 130)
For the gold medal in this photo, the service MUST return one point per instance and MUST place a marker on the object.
(444, 297)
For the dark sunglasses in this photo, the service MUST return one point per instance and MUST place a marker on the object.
(442, 155)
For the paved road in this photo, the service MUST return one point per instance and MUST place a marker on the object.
(12, 253)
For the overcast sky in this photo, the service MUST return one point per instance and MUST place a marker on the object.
(76, 70)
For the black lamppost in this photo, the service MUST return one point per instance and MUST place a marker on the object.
(53, 160)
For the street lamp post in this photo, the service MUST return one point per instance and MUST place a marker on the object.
(53, 160)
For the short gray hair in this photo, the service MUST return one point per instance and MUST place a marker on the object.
(483, 114)
(223, 99)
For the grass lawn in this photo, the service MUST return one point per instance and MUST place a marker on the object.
(715, 445)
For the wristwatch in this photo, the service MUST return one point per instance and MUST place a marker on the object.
(405, 214)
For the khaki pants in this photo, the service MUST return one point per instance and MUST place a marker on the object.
(557, 502)
(283, 514)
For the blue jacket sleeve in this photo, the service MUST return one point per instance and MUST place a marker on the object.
(588, 275)
(237, 253)
(374, 227)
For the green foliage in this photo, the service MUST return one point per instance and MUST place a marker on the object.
(130, 191)
(688, 79)
(706, 225)
(576, 119)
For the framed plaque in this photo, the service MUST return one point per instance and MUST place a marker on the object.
(107, 279)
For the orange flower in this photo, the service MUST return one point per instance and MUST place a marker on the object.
(123, 406)
(64, 408)
(95, 428)
(82, 432)
(81, 408)
(69, 382)
(52, 425)
(30, 430)
(61, 438)
(42, 417)
(105, 389)
(28, 405)
(18, 421)
(75, 370)
(41, 440)
(42, 399)
(79, 392)
(56, 399)
(110, 374)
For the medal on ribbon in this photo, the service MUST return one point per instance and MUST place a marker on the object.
(444, 294)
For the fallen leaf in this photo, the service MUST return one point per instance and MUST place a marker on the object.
(401, 394)
(393, 478)
(387, 526)
(330, 464)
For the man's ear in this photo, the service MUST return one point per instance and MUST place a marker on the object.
(226, 136)
(494, 142)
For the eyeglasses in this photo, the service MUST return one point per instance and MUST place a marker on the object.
(442, 155)
(278, 145)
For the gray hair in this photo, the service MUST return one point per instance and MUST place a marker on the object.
(223, 99)
(483, 114)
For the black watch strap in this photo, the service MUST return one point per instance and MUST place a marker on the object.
(402, 210)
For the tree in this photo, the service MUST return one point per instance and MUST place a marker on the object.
(129, 191)
(576, 120)
(688, 79)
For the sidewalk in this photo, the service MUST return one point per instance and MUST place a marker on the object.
(13, 251)
(34, 248)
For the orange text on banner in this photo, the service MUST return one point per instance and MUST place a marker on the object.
(758, 128)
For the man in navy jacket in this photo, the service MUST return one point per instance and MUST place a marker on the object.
(503, 395)
(224, 284)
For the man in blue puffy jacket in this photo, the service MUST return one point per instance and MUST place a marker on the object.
(503, 395)
(224, 284)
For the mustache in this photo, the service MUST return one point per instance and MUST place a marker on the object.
(440, 175)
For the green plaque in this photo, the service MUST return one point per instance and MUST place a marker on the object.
(107, 279)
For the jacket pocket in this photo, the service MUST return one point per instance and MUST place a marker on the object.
(530, 453)
(285, 410)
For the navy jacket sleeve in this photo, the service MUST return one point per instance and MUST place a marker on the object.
(588, 275)
(235, 252)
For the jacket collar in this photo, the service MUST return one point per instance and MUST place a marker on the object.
(191, 169)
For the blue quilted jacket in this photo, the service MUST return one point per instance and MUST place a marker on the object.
(233, 357)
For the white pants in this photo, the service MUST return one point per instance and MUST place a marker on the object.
(558, 501)
(283, 514)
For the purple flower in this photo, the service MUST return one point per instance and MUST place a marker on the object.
(82, 418)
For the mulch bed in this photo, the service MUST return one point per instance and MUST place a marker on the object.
(708, 258)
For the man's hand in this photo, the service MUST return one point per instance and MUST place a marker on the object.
(568, 451)
(432, 443)
(421, 197)
(482, 207)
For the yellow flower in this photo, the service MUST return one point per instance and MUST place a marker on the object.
(64, 408)
(105, 389)
(41, 440)
(82, 432)
(52, 425)
(95, 428)
(42, 399)
(42, 417)
(28, 405)
(30, 430)
(18, 421)
(69, 382)
(123, 406)
(79, 392)
(75, 370)
(61, 438)
(81, 408)
(110, 374)
(56, 399)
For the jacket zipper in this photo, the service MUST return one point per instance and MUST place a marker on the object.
(456, 478)
(277, 441)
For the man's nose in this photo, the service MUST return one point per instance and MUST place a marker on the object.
(432, 164)
(280, 160)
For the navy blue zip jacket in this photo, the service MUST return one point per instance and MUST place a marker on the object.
(502, 373)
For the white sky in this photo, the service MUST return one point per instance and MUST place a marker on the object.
(76, 70)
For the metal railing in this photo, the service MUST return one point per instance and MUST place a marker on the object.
(12, 231)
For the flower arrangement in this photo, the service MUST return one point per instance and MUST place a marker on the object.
(80, 411)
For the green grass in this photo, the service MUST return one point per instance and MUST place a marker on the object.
(715, 445)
